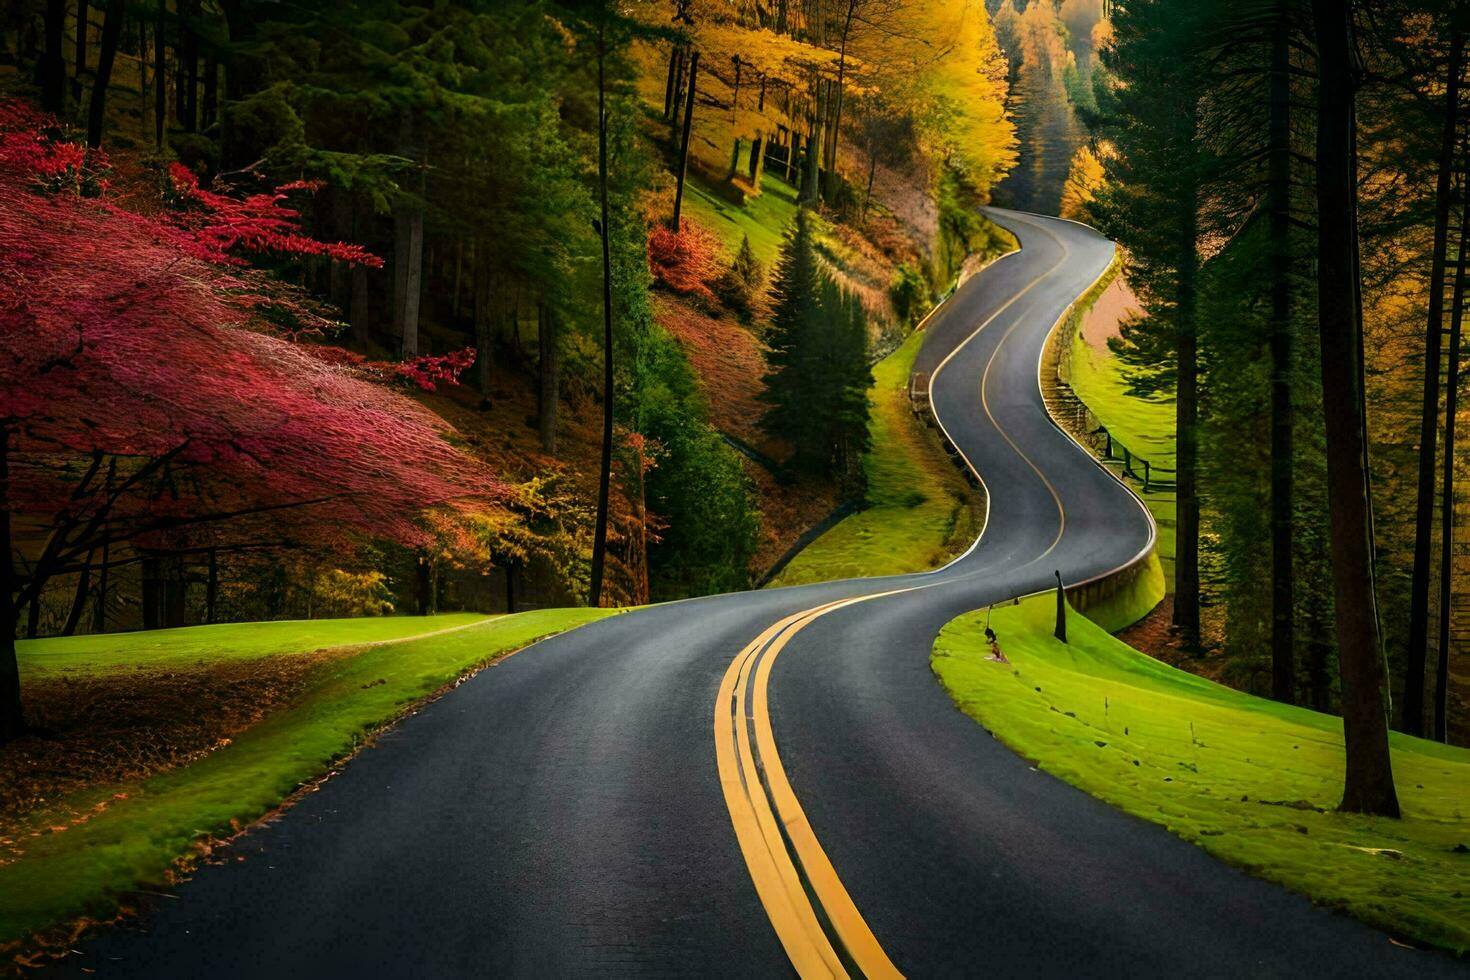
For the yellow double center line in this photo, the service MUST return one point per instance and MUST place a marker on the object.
(820, 928)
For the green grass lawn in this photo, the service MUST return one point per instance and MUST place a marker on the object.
(764, 218)
(1251, 781)
(1144, 425)
(919, 511)
(80, 858)
(194, 644)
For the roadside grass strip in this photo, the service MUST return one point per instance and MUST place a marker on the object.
(1144, 425)
(1251, 781)
(918, 511)
(82, 857)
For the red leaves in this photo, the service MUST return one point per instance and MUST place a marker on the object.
(427, 371)
(218, 224)
(685, 261)
(126, 336)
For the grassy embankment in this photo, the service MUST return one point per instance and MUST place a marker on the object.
(82, 854)
(919, 512)
(1144, 425)
(1251, 781)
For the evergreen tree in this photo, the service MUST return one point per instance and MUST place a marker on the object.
(1151, 205)
(795, 315)
(818, 353)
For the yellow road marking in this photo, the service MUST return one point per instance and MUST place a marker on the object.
(765, 822)
(770, 824)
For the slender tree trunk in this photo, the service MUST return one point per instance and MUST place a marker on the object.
(51, 72)
(152, 592)
(1283, 415)
(484, 333)
(1447, 499)
(678, 95)
(107, 52)
(211, 589)
(868, 191)
(160, 101)
(599, 536)
(1413, 711)
(674, 55)
(12, 719)
(510, 587)
(1368, 780)
(80, 61)
(79, 599)
(413, 281)
(33, 614)
(684, 139)
(400, 266)
(810, 191)
(1186, 418)
(423, 586)
(174, 592)
(550, 381)
(210, 113)
(360, 314)
(99, 608)
(837, 96)
(189, 58)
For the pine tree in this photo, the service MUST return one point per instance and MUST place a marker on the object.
(740, 283)
(795, 316)
(844, 409)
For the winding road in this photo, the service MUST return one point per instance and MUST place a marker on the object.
(769, 782)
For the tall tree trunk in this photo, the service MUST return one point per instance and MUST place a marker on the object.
(412, 278)
(484, 327)
(836, 135)
(678, 95)
(211, 589)
(210, 113)
(152, 591)
(79, 67)
(423, 586)
(1368, 779)
(510, 587)
(1186, 419)
(604, 478)
(174, 592)
(106, 53)
(78, 599)
(1447, 500)
(810, 191)
(549, 369)
(868, 191)
(1413, 711)
(51, 71)
(684, 139)
(400, 265)
(191, 69)
(675, 53)
(1283, 416)
(160, 67)
(12, 719)
(99, 607)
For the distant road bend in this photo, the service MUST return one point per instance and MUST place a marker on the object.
(769, 782)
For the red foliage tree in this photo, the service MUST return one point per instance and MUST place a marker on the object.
(142, 399)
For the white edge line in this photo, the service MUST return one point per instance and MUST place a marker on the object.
(1153, 528)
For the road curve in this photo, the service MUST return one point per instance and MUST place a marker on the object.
(563, 813)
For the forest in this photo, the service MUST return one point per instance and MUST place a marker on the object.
(469, 323)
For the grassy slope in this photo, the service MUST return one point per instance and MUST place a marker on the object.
(160, 648)
(764, 218)
(1145, 426)
(1204, 760)
(130, 834)
(918, 512)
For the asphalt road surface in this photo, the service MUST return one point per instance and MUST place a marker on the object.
(570, 812)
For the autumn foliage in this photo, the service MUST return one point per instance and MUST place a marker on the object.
(685, 261)
(145, 402)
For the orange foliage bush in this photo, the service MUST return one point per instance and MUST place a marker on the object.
(686, 261)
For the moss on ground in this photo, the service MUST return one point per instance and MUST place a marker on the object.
(82, 856)
(1251, 781)
(919, 513)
